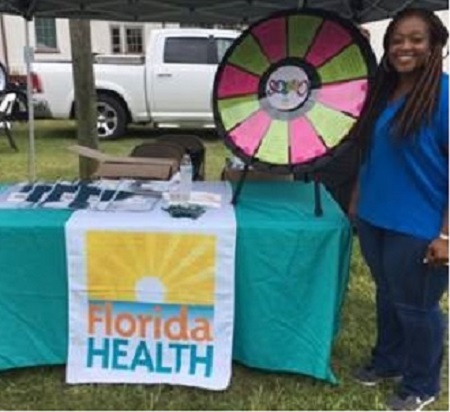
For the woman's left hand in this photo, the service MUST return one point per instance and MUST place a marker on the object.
(437, 252)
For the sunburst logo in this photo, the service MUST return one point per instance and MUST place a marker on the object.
(151, 302)
(151, 267)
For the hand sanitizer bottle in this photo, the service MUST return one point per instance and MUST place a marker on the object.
(185, 178)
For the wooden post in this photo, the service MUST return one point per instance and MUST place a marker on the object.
(85, 96)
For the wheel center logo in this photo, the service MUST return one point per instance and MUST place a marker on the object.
(287, 88)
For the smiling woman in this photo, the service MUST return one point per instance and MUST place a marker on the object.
(401, 204)
(409, 47)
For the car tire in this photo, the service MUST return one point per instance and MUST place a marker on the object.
(111, 117)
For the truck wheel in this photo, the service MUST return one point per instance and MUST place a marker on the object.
(111, 117)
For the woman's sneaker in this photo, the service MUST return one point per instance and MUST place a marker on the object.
(405, 402)
(368, 376)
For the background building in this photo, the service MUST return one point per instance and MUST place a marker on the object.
(50, 38)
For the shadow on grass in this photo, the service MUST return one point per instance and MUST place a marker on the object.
(53, 129)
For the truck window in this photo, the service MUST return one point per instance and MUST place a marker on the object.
(186, 50)
(222, 45)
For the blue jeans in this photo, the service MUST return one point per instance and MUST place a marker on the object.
(410, 325)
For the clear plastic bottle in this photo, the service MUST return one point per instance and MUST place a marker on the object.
(185, 179)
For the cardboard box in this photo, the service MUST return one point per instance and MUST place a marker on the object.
(233, 175)
(127, 166)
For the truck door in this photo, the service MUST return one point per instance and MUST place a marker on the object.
(182, 82)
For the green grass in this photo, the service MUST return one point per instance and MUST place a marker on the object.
(53, 160)
(43, 388)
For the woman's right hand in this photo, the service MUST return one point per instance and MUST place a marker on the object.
(437, 252)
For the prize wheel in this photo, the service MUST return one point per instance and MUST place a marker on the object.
(289, 89)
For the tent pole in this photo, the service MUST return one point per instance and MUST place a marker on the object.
(28, 54)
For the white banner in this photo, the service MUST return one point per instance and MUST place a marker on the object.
(151, 297)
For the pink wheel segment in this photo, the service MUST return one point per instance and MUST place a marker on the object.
(329, 42)
(271, 35)
(251, 131)
(237, 83)
(304, 141)
(346, 97)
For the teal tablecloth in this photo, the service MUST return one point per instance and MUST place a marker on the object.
(292, 272)
(291, 275)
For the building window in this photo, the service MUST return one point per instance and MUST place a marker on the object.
(134, 40)
(127, 39)
(116, 43)
(45, 30)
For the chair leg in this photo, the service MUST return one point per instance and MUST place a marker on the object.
(11, 141)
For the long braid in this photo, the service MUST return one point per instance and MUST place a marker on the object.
(380, 89)
(420, 102)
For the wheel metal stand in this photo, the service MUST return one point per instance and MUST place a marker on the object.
(240, 184)
(318, 210)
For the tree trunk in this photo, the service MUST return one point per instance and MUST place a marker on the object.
(85, 96)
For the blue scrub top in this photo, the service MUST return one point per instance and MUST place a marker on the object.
(403, 183)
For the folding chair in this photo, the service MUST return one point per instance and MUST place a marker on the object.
(6, 107)
(159, 149)
(193, 145)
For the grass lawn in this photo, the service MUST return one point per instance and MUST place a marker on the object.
(43, 388)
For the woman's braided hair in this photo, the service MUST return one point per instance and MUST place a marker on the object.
(421, 101)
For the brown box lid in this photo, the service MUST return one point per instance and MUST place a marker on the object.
(135, 171)
(128, 166)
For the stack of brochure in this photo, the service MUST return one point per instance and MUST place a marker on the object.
(101, 195)
(104, 195)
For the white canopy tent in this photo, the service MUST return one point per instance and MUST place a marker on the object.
(191, 11)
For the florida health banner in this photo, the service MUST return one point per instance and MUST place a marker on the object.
(151, 297)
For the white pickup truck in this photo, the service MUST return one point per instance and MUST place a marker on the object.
(171, 84)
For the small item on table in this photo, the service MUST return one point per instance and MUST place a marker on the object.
(185, 210)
